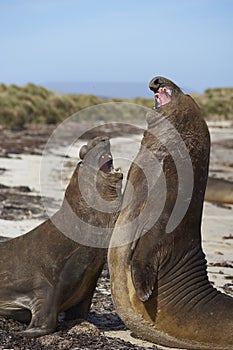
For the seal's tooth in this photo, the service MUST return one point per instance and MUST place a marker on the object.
(118, 170)
(106, 155)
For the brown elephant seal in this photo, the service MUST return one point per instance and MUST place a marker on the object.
(3, 239)
(44, 272)
(158, 270)
(219, 190)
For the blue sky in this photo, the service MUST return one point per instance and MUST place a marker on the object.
(188, 41)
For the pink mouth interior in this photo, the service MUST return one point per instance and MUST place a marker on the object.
(105, 163)
(163, 96)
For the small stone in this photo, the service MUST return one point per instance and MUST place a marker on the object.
(218, 253)
(84, 328)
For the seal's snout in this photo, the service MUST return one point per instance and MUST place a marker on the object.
(155, 84)
(97, 149)
(104, 138)
(99, 139)
(162, 89)
(104, 142)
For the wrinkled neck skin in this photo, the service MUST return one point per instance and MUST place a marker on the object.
(92, 202)
(108, 186)
(87, 183)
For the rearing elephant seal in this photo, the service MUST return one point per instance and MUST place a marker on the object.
(158, 269)
(44, 272)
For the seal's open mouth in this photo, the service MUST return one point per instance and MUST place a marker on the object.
(162, 96)
(106, 163)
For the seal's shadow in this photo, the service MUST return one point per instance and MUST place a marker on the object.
(106, 321)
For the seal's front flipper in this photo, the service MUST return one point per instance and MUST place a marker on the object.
(44, 315)
(41, 324)
(36, 332)
(144, 279)
(143, 270)
(81, 310)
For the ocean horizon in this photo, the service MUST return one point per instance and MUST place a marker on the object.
(104, 89)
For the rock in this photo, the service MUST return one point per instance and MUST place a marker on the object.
(84, 328)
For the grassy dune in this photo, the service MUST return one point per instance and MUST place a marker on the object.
(35, 104)
(216, 104)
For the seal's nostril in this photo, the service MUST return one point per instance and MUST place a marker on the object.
(104, 138)
(156, 81)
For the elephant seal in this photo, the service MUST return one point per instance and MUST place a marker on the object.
(219, 190)
(44, 272)
(3, 239)
(159, 280)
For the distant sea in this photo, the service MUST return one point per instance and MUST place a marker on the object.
(102, 89)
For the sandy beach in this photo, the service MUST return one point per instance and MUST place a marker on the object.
(28, 170)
